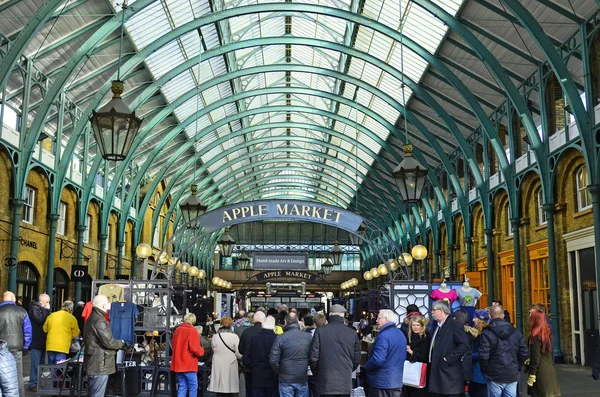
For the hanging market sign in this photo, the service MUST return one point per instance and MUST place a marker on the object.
(268, 276)
(279, 260)
(280, 210)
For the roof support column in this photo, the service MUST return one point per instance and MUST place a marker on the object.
(489, 234)
(79, 261)
(550, 209)
(17, 205)
(595, 192)
(52, 220)
(515, 222)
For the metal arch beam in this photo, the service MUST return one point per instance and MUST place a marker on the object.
(37, 21)
(562, 11)
(562, 73)
(497, 71)
(472, 75)
(56, 88)
(319, 10)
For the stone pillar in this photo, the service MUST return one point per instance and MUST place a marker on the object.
(490, 260)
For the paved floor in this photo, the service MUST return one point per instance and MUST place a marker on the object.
(575, 381)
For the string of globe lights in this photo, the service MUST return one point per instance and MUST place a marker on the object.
(419, 252)
(219, 282)
(353, 282)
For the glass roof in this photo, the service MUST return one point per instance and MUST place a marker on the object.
(320, 129)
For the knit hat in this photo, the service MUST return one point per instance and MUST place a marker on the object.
(482, 315)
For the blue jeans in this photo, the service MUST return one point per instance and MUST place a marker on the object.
(293, 389)
(502, 389)
(37, 358)
(187, 381)
(54, 357)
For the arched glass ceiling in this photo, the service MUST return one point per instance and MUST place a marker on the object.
(160, 18)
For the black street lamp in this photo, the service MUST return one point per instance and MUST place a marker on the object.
(226, 244)
(192, 208)
(410, 177)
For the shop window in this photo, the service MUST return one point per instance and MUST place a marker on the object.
(541, 213)
(27, 283)
(29, 206)
(584, 198)
(507, 274)
(61, 288)
(62, 215)
(86, 232)
(540, 275)
(509, 229)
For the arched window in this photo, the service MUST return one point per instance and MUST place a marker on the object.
(541, 213)
(509, 229)
(61, 288)
(584, 198)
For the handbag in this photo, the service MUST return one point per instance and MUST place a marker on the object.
(75, 346)
(415, 374)
(240, 365)
(358, 391)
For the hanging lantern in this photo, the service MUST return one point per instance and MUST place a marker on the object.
(243, 260)
(410, 177)
(192, 208)
(419, 252)
(226, 244)
(115, 126)
(327, 266)
(336, 255)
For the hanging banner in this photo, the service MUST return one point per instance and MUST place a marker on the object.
(294, 210)
(78, 273)
(280, 260)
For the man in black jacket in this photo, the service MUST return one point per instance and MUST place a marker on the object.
(258, 319)
(38, 312)
(502, 353)
(100, 348)
(289, 358)
(334, 355)
(449, 344)
(256, 359)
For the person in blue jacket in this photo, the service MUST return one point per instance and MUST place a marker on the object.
(386, 361)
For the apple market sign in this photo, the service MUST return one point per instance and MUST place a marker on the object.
(280, 210)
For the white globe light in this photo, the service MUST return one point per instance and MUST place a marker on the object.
(193, 271)
(382, 269)
(201, 274)
(367, 275)
(407, 258)
(393, 264)
(419, 252)
(143, 251)
(184, 267)
(374, 272)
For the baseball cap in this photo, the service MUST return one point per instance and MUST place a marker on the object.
(483, 315)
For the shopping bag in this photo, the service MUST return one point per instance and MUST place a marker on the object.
(358, 391)
(415, 374)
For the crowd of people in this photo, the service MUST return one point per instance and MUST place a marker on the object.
(287, 353)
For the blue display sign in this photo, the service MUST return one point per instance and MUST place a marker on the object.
(281, 210)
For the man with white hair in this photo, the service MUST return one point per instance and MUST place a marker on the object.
(449, 344)
(386, 360)
(15, 330)
(100, 348)
(38, 313)
(334, 354)
(258, 319)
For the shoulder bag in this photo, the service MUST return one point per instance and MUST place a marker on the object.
(240, 365)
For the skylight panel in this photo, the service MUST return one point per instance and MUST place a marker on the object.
(421, 24)
(180, 12)
(272, 26)
(148, 25)
(450, 6)
(165, 59)
(177, 86)
(186, 109)
(385, 110)
(303, 27)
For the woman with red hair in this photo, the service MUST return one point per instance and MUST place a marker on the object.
(542, 380)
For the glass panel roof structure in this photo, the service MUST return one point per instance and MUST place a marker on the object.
(252, 128)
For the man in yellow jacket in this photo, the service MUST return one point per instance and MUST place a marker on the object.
(61, 327)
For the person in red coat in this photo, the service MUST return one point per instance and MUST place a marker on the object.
(184, 361)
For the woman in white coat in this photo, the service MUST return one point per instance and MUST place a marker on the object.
(225, 377)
